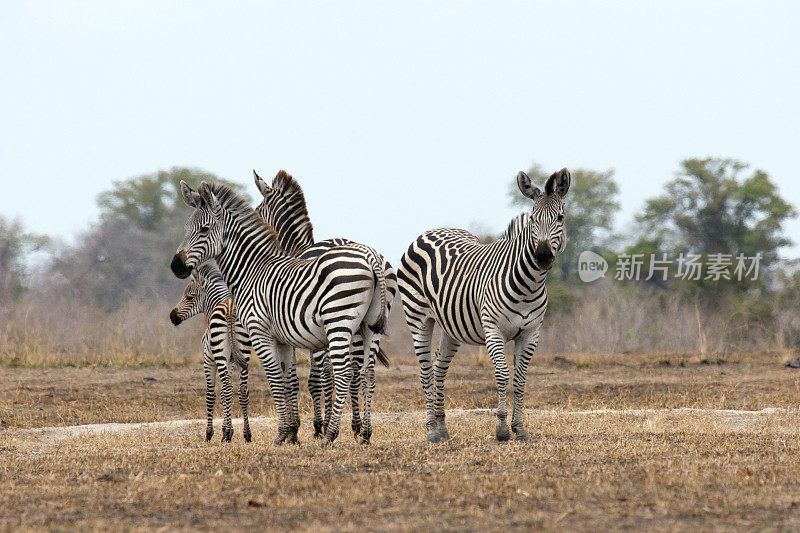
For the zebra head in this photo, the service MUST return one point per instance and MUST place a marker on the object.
(203, 231)
(192, 301)
(546, 220)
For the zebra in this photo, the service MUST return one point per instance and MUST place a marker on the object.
(285, 301)
(483, 294)
(284, 208)
(225, 343)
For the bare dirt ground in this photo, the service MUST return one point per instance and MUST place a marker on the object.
(619, 442)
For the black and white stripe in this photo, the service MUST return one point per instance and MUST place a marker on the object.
(483, 294)
(283, 301)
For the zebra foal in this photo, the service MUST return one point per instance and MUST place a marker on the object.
(225, 343)
(483, 294)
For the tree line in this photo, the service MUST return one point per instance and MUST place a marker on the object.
(713, 207)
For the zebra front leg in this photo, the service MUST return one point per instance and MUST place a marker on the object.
(223, 369)
(264, 347)
(292, 386)
(524, 347)
(356, 363)
(210, 372)
(315, 388)
(495, 345)
(447, 349)
(339, 341)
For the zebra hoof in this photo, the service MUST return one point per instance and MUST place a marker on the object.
(318, 430)
(247, 435)
(502, 433)
(365, 435)
(209, 434)
(326, 442)
(522, 435)
(444, 434)
(434, 437)
(356, 426)
(227, 434)
(280, 439)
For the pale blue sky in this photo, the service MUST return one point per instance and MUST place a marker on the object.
(396, 117)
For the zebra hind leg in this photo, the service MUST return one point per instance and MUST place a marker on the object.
(371, 342)
(447, 349)
(315, 388)
(421, 333)
(244, 399)
(339, 349)
(227, 399)
(327, 390)
(356, 363)
(294, 385)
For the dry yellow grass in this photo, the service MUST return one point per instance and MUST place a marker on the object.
(640, 466)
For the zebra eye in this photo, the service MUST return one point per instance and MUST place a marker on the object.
(560, 218)
(204, 229)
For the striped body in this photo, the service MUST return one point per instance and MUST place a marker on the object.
(483, 294)
(286, 302)
(225, 342)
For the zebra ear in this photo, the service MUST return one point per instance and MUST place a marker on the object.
(208, 195)
(558, 183)
(191, 198)
(526, 187)
(261, 184)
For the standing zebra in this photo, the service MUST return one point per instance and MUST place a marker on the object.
(483, 294)
(286, 302)
(225, 342)
(284, 208)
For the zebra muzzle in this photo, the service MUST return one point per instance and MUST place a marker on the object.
(543, 255)
(178, 265)
(174, 318)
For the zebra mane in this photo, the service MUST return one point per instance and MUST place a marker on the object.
(241, 210)
(515, 226)
(287, 211)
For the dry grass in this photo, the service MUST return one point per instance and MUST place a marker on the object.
(656, 469)
(51, 331)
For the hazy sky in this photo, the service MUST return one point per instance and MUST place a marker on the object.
(396, 117)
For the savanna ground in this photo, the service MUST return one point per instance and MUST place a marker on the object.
(638, 441)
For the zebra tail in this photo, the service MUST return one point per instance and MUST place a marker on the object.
(382, 358)
(377, 268)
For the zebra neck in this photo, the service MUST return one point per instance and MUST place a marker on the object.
(248, 250)
(523, 279)
(213, 286)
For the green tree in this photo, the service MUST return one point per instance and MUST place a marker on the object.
(127, 253)
(712, 208)
(15, 245)
(590, 209)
